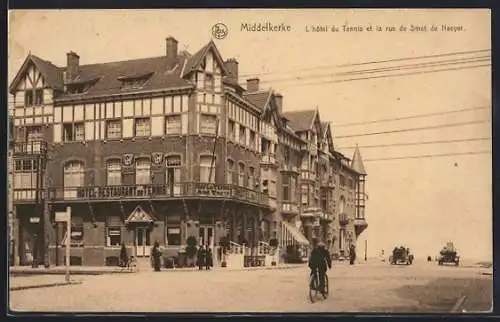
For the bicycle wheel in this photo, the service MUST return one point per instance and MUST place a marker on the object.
(325, 294)
(313, 287)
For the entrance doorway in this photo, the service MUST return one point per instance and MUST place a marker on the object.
(142, 242)
(206, 235)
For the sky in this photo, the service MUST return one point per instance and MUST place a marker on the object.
(421, 203)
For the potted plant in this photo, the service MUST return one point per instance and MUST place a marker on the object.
(191, 249)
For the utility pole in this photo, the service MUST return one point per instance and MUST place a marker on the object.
(46, 211)
(366, 247)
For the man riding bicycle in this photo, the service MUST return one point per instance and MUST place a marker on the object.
(319, 262)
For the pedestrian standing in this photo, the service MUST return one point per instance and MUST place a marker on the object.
(123, 256)
(201, 257)
(352, 254)
(208, 259)
(156, 256)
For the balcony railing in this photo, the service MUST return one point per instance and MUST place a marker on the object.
(291, 168)
(30, 147)
(160, 191)
(343, 219)
(290, 207)
(268, 158)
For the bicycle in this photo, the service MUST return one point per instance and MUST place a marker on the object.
(314, 286)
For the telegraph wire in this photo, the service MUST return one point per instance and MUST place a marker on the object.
(423, 156)
(385, 76)
(380, 70)
(416, 143)
(412, 116)
(430, 127)
(419, 65)
(369, 62)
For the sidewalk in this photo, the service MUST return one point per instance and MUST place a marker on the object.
(38, 281)
(61, 270)
(98, 270)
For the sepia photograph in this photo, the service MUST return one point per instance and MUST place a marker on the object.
(244, 160)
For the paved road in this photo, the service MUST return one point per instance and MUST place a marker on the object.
(374, 287)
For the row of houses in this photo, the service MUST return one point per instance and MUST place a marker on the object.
(164, 148)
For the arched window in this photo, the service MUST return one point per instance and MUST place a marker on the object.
(73, 178)
(251, 178)
(113, 172)
(73, 174)
(205, 166)
(241, 174)
(342, 205)
(230, 171)
(142, 171)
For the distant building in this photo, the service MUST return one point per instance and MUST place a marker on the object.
(163, 148)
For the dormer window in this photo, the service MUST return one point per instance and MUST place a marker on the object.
(134, 81)
(76, 89)
(80, 86)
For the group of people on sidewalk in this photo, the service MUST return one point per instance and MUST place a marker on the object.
(204, 258)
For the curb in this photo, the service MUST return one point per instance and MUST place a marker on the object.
(225, 269)
(57, 272)
(26, 287)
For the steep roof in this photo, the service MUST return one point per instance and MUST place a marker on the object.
(357, 162)
(300, 120)
(196, 58)
(52, 74)
(259, 98)
(107, 77)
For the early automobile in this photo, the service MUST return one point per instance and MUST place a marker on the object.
(448, 255)
(401, 255)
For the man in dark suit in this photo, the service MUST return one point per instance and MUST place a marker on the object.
(319, 262)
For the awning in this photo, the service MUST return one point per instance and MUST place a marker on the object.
(295, 233)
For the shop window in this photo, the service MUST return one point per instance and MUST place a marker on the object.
(76, 232)
(113, 236)
(174, 234)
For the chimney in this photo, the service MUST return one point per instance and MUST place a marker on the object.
(278, 99)
(232, 67)
(72, 66)
(253, 85)
(172, 50)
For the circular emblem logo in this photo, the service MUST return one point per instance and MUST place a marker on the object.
(219, 31)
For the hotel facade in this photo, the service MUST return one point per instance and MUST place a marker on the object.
(164, 148)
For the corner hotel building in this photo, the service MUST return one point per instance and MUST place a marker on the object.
(163, 148)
